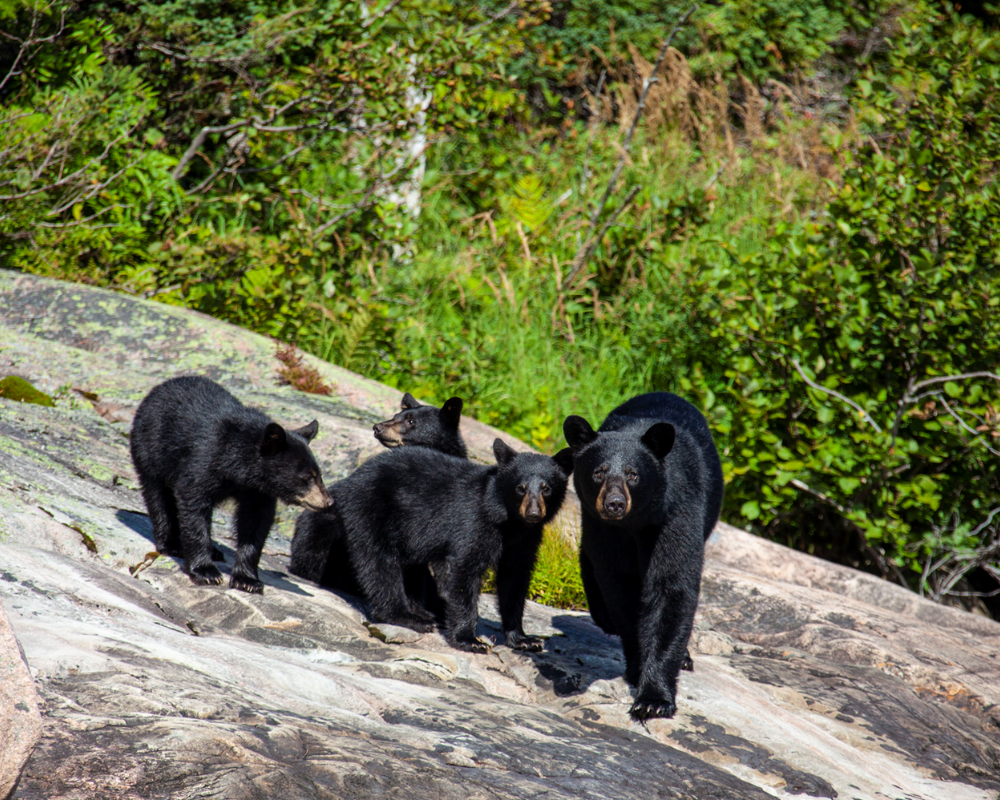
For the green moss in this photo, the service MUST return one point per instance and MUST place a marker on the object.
(14, 388)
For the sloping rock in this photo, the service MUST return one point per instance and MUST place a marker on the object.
(811, 679)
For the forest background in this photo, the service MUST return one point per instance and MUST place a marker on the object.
(795, 227)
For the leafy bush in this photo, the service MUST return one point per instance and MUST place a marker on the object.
(857, 356)
(759, 39)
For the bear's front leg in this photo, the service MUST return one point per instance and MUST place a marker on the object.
(513, 579)
(254, 516)
(665, 623)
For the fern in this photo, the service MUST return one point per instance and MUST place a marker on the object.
(357, 338)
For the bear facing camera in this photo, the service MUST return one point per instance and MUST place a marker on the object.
(650, 487)
(194, 445)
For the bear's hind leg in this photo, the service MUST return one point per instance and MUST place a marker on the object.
(461, 597)
(381, 579)
(163, 515)
(195, 520)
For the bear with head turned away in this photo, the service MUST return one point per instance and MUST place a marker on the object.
(650, 487)
(424, 426)
(194, 445)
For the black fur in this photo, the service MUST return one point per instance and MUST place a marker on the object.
(650, 486)
(424, 426)
(319, 551)
(194, 445)
(415, 506)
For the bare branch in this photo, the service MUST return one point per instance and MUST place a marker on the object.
(592, 244)
(944, 378)
(864, 414)
(585, 250)
(962, 422)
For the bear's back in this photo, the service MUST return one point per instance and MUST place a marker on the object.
(412, 492)
(189, 417)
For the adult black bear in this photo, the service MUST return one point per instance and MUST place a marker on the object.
(650, 486)
(424, 426)
(415, 506)
(194, 445)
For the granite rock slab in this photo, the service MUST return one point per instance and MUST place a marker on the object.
(811, 680)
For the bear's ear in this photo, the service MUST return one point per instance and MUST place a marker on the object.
(274, 440)
(451, 412)
(564, 458)
(660, 439)
(578, 432)
(408, 402)
(308, 432)
(503, 453)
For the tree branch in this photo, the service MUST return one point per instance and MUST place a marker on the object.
(864, 414)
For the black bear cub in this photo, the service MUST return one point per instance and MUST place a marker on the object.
(415, 506)
(424, 426)
(650, 487)
(194, 445)
(319, 552)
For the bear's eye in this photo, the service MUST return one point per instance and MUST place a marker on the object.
(631, 476)
(599, 474)
(411, 422)
(521, 490)
(546, 490)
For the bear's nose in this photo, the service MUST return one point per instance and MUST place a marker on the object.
(377, 427)
(615, 505)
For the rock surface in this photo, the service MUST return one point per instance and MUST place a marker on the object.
(810, 679)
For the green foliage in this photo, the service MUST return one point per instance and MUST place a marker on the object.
(230, 157)
(756, 38)
(890, 300)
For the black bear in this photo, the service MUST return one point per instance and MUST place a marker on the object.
(319, 552)
(424, 426)
(194, 445)
(650, 486)
(415, 506)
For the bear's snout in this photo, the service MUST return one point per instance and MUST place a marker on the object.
(532, 508)
(317, 498)
(387, 434)
(614, 501)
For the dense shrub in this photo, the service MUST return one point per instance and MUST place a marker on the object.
(860, 353)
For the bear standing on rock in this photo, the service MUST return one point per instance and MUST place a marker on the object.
(650, 488)
(415, 506)
(319, 550)
(194, 445)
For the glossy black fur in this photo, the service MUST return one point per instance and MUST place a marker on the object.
(424, 426)
(194, 445)
(650, 487)
(319, 551)
(415, 506)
